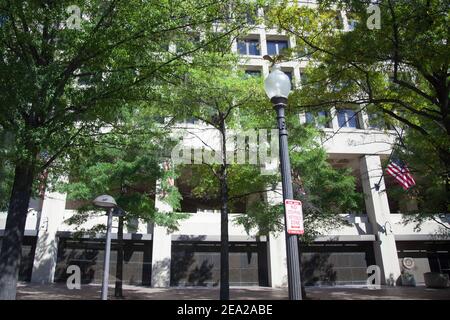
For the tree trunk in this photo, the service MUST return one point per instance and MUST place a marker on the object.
(11, 250)
(119, 263)
(224, 245)
(446, 202)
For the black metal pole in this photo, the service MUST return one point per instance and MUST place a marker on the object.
(224, 239)
(107, 255)
(119, 263)
(292, 250)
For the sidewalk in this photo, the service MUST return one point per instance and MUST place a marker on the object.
(59, 291)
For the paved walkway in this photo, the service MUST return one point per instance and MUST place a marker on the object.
(31, 291)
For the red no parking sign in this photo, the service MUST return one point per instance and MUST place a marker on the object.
(294, 216)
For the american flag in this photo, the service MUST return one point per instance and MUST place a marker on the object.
(398, 169)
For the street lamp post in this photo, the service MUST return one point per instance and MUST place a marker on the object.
(107, 257)
(107, 202)
(278, 86)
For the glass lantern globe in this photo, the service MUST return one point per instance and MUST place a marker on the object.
(105, 201)
(277, 84)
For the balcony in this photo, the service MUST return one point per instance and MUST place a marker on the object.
(357, 141)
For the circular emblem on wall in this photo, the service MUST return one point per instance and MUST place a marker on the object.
(408, 263)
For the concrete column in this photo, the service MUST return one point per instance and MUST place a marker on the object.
(277, 263)
(378, 212)
(162, 249)
(262, 42)
(297, 76)
(364, 120)
(265, 69)
(334, 119)
(234, 47)
(276, 249)
(52, 217)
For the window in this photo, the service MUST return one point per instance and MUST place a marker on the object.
(249, 47)
(289, 74)
(338, 85)
(3, 20)
(159, 119)
(352, 24)
(251, 16)
(347, 118)
(305, 52)
(376, 121)
(189, 42)
(190, 120)
(164, 45)
(318, 118)
(275, 47)
(303, 78)
(253, 73)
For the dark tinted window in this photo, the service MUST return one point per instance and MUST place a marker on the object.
(249, 47)
(253, 73)
(347, 118)
(275, 47)
(318, 118)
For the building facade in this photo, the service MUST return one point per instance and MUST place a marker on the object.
(191, 256)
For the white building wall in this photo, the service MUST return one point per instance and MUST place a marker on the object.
(429, 230)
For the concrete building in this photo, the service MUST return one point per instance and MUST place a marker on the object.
(191, 255)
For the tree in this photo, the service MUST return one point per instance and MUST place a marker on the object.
(5, 170)
(227, 101)
(65, 74)
(213, 92)
(325, 192)
(125, 162)
(400, 71)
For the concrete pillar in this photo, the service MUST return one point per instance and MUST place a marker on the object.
(378, 212)
(52, 217)
(276, 249)
(277, 263)
(162, 249)
(334, 119)
(297, 76)
(265, 69)
(262, 42)
(364, 120)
